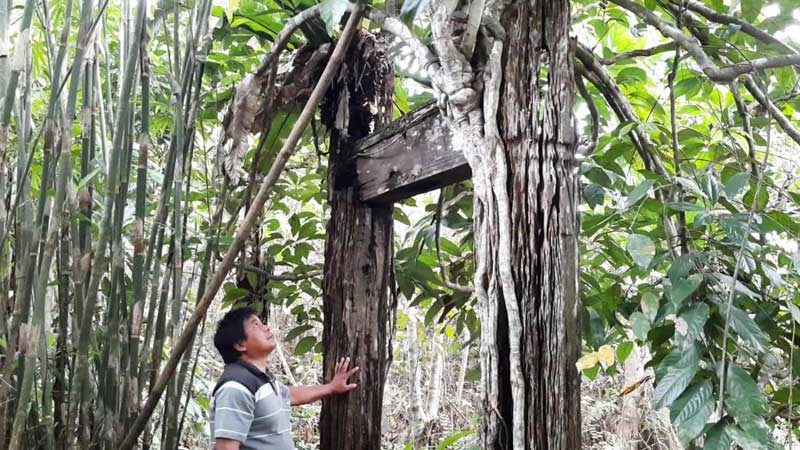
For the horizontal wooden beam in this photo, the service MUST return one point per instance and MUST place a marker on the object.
(411, 156)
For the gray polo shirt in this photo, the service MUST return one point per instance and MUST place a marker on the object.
(251, 407)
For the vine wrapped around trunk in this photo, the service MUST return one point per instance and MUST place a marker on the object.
(516, 130)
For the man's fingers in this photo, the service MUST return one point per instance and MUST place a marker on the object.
(353, 370)
(351, 386)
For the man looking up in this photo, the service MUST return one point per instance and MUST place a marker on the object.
(249, 408)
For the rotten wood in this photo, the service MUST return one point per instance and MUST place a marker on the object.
(411, 156)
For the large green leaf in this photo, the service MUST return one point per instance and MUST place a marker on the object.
(650, 303)
(695, 319)
(305, 345)
(683, 288)
(761, 202)
(718, 438)
(751, 9)
(641, 249)
(748, 330)
(736, 183)
(690, 411)
(639, 192)
(744, 400)
(753, 435)
(297, 331)
(640, 325)
(678, 372)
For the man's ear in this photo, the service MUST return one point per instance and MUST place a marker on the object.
(240, 347)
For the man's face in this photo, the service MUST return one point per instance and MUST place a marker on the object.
(259, 340)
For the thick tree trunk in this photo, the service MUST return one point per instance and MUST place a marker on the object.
(540, 141)
(358, 252)
(515, 127)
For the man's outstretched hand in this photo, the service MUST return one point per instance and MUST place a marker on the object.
(341, 374)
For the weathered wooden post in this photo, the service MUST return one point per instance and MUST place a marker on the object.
(358, 251)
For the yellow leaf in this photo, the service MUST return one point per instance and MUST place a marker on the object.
(605, 355)
(587, 361)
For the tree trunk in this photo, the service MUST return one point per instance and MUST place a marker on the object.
(515, 127)
(358, 253)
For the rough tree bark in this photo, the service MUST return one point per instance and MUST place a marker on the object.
(358, 251)
(515, 126)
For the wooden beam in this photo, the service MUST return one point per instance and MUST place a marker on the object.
(411, 156)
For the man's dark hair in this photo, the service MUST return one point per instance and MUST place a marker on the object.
(230, 330)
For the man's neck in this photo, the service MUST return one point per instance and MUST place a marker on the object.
(259, 363)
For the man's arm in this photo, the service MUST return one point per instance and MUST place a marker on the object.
(226, 444)
(301, 395)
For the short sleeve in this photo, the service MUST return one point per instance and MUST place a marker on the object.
(283, 391)
(233, 412)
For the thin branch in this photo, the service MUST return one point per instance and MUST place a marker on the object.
(598, 75)
(585, 150)
(744, 26)
(739, 256)
(282, 39)
(784, 122)
(715, 73)
(661, 48)
(281, 276)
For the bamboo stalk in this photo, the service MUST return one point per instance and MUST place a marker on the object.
(244, 229)
(112, 183)
(138, 239)
(37, 336)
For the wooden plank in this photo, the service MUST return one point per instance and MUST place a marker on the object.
(411, 156)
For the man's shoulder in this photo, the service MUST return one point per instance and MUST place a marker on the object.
(239, 377)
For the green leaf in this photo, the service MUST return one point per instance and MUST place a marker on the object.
(453, 438)
(449, 247)
(684, 206)
(89, 177)
(743, 398)
(683, 288)
(754, 435)
(681, 267)
(305, 345)
(650, 303)
(751, 9)
(695, 319)
(736, 183)
(678, 372)
(688, 87)
(594, 194)
(718, 438)
(748, 330)
(623, 351)
(641, 249)
(331, 12)
(690, 412)
(763, 198)
(640, 325)
(297, 331)
(639, 192)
